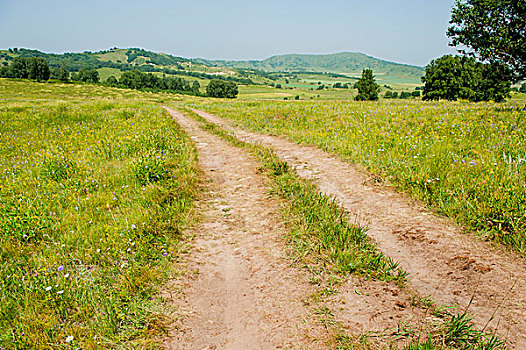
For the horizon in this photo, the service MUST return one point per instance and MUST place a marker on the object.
(407, 32)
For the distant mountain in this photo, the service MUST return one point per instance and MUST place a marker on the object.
(344, 62)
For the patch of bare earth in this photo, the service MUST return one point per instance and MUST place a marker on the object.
(452, 267)
(240, 291)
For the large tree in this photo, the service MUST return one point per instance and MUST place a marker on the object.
(492, 30)
(453, 77)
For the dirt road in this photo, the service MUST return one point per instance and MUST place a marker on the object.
(454, 268)
(242, 293)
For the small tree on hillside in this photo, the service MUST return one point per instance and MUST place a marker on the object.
(367, 87)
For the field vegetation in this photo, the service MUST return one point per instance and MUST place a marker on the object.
(466, 160)
(96, 187)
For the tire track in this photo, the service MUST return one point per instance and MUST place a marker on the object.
(242, 293)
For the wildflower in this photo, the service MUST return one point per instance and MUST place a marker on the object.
(60, 292)
(48, 288)
(133, 227)
(60, 268)
(66, 275)
(69, 339)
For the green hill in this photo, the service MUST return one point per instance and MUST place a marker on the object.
(350, 63)
(115, 61)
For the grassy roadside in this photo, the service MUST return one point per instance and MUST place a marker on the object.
(324, 242)
(93, 196)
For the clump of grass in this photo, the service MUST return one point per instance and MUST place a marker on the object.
(150, 167)
(59, 168)
(456, 332)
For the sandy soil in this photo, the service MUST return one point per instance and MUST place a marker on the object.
(454, 268)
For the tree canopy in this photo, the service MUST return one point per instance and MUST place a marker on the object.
(35, 68)
(221, 89)
(453, 77)
(492, 30)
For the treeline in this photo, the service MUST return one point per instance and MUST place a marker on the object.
(402, 95)
(155, 58)
(138, 80)
(460, 77)
(147, 81)
(34, 68)
(77, 61)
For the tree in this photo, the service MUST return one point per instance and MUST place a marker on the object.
(18, 68)
(405, 94)
(415, 93)
(453, 77)
(388, 94)
(61, 73)
(221, 89)
(367, 87)
(523, 88)
(494, 30)
(111, 81)
(88, 76)
(38, 69)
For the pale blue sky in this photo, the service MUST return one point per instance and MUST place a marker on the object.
(406, 31)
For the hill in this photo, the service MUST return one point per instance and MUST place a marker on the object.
(264, 72)
(351, 63)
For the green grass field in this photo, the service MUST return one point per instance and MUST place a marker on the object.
(466, 160)
(96, 187)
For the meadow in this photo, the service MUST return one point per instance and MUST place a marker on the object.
(96, 186)
(465, 160)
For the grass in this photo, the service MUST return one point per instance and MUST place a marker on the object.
(94, 194)
(466, 160)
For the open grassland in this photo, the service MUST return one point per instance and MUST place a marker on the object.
(94, 193)
(466, 160)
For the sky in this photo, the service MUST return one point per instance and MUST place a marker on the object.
(405, 31)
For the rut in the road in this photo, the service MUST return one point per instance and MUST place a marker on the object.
(243, 294)
(443, 262)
